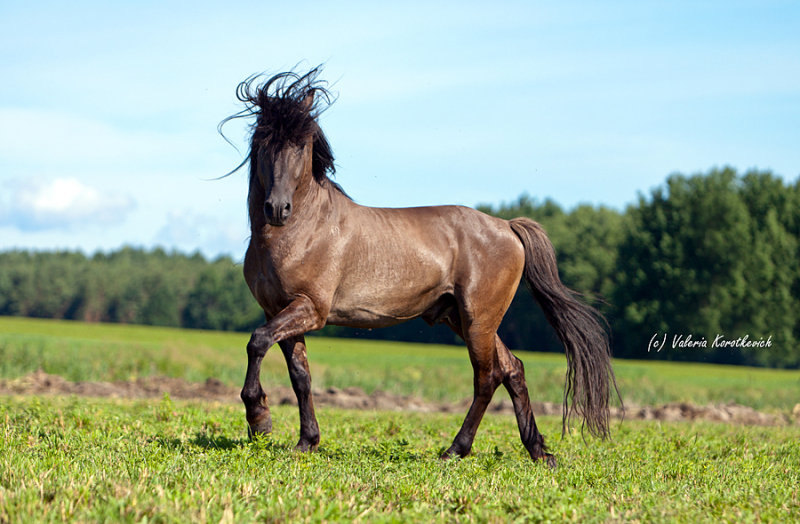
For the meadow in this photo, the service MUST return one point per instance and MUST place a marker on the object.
(164, 460)
(111, 352)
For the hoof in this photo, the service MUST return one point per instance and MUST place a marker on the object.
(259, 428)
(453, 453)
(548, 459)
(305, 446)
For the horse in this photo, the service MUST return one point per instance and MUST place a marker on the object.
(316, 257)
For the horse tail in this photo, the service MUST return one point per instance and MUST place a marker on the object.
(581, 329)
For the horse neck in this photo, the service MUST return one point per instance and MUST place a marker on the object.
(319, 200)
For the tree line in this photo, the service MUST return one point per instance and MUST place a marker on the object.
(131, 286)
(704, 267)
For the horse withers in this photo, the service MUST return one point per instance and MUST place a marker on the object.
(316, 257)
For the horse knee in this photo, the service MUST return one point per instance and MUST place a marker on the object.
(259, 343)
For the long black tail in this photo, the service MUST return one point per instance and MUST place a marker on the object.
(579, 327)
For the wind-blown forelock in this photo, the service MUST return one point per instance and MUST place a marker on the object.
(283, 116)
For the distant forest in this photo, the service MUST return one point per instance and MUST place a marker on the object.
(701, 262)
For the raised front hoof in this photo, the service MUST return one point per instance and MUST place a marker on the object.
(259, 428)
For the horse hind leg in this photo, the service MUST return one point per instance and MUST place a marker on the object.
(514, 381)
(486, 378)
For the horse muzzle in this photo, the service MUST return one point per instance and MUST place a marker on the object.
(277, 214)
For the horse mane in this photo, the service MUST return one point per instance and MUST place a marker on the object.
(285, 115)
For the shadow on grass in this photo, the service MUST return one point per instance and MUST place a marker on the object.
(393, 451)
(208, 441)
(202, 440)
(389, 451)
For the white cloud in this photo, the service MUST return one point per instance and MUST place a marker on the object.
(60, 203)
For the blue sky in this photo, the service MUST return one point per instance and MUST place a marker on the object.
(108, 111)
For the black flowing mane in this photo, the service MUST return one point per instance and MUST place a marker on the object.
(286, 108)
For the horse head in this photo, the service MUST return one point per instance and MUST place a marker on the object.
(288, 148)
(282, 169)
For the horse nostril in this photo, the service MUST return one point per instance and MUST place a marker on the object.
(277, 214)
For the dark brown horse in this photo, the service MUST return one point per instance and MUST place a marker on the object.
(316, 257)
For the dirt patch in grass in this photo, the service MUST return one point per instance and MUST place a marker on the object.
(41, 383)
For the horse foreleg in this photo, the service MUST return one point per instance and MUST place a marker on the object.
(297, 318)
(514, 382)
(294, 350)
(259, 420)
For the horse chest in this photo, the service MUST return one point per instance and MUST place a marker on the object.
(283, 270)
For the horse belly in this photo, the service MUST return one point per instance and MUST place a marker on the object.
(374, 314)
(388, 295)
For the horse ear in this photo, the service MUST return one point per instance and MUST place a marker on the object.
(308, 102)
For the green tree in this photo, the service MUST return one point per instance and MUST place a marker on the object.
(770, 307)
(709, 255)
(17, 283)
(221, 300)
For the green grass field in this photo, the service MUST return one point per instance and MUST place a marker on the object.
(110, 352)
(73, 459)
(79, 459)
